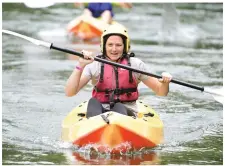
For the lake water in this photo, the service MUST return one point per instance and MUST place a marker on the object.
(188, 45)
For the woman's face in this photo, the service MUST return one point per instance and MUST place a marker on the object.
(114, 47)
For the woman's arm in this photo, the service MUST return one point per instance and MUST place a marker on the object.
(159, 86)
(75, 83)
(76, 80)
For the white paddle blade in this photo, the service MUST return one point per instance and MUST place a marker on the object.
(218, 94)
(219, 98)
(38, 4)
(32, 40)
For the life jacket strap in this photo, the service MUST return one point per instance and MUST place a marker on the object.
(130, 72)
(117, 91)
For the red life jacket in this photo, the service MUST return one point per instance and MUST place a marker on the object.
(116, 84)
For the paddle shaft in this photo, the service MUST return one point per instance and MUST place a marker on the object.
(127, 67)
(218, 96)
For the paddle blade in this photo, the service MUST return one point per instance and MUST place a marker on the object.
(32, 40)
(219, 98)
(218, 94)
(38, 4)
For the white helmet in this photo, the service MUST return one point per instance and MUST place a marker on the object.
(116, 29)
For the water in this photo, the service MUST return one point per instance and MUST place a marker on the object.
(187, 42)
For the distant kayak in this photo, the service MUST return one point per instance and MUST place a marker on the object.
(113, 132)
(87, 28)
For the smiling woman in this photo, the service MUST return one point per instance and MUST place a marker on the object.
(111, 84)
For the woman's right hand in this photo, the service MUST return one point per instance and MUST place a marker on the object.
(87, 59)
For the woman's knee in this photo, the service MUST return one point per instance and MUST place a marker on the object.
(106, 16)
(94, 108)
(93, 101)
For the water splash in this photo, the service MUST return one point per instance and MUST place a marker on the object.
(122, 148)
(91, 156)
(171, 29)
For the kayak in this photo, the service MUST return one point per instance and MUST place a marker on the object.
(87, 28)
(113, 132)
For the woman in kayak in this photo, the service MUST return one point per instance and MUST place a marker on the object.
(96, 15)
(114, 88)
(102, 10)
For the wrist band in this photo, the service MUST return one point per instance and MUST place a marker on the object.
(79, 68)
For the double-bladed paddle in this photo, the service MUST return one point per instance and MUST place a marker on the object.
(217, 94)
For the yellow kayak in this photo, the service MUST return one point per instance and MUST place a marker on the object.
(87, 28)
(112, 130)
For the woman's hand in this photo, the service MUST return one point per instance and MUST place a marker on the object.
(87, 59)
(166, 77)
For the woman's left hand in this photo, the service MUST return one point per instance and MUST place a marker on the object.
(166, 77)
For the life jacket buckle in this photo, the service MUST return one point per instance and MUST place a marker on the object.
(107, 92)
(118, 91)
(128, 94)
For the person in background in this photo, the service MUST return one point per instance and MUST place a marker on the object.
(99, 15)
(102, 10)
(114, 88)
